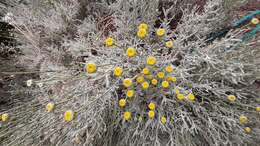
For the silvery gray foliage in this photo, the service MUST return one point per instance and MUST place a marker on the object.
(58, 38)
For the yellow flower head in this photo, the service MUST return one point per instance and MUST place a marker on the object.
(145, 85)
(163, 120)
(127, 116)
(248, 130)
(109, 41)
(50, 107)
(118, 71)
(191, 97)
(146, 71)
(160, 75)
(171, 79)
(154, 81)
(177, 91)
(5, 117)
(130, 93)
(140, 79)
(165, 84)
(169, 68)
(243, 119)
(151, 106)
(151, 114)
(160, 32)
(91, 68)
(131, 52)
(231, 98)
(151, 60)
(68, 115)
(122, 103)
(169, 44)
(257, 108)
(255, 21)
(180, 97)
(127, 82)
(141, 33)
(143, 26)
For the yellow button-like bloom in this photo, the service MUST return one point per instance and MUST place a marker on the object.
(154, 81)
(5, 117)
(165, 84)
(151, 114)
(122, 103)
(109, 41)
(255, 21)
(191, 97)
(169, 44)
(118, 71)
(151, 106)
(146, 71)
(50, 107)
(160, 32)
(91, 68)
(171, 79)
(130, 93)
(140, 79)
(180, 97)
(174, 79)
(151, 60)
(257, 108)
(145, 85)
(68, 115)
(131, 52)
(243, 119)
(127, 116)
(248, 130)
(232, 98)
(141, 33)
(169, 68)
(163, 120)
(143, 26)
(177, 91)
(127, 82)
(160, 75)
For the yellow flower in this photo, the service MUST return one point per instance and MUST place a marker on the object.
(127, 116)
(160, 32)
(122, 103)
(130, 93)
(174, 79)
(5, 117)
(109, 41)
(180, 97)
(68, 115)
(231, 98)
(191, 97)
(154, 81)
(127, 82)
(151, 106)
(50, 107)
(163, 120)
(118, 71)
(141, 33)
(146, 71)
(151, 60)
(177, 91)
(151, 114)
(169, 68)
(143, 26)
(169, 44)
(91, 68)
(145, 85)
(248, 130)
(257, 108)
(131, 52)
(255, 21)
(160, 75)
(243, 119)
(165, 84)
(140, 79)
